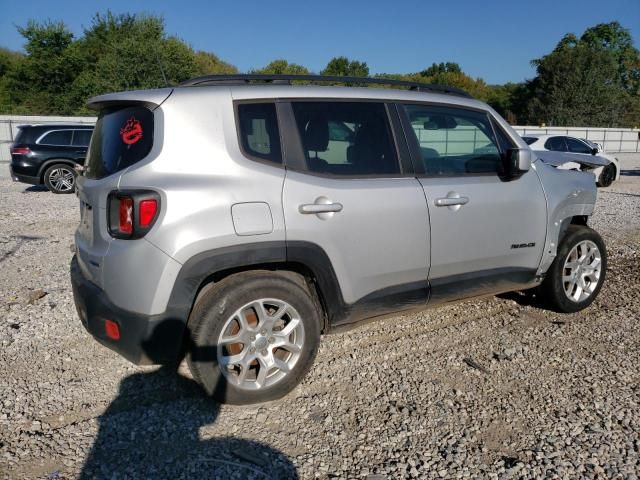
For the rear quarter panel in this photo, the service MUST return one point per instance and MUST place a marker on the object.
(200, 174)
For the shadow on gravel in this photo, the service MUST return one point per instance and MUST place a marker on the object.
(623, 194)
(20, 240)
(151, 430)
(525, 298)
(630, 173)
(35, 188)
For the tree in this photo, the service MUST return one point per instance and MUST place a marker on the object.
(117, 52)
(281, 67)
(9, 61)
(440, 68)
(40, 81)
(590, 81)
(343, 67)
(209, 64)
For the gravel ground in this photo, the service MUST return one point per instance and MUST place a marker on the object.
(491, 388)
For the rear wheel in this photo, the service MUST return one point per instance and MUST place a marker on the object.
(578, 271)
(255, 336)
(60, 178)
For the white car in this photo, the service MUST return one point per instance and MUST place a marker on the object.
(578, 147)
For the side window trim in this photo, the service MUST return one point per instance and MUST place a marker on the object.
(414, 145)
(44, 135)
(293, 151)
(497, 129)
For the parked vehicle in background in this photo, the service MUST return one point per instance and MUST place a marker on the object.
(605, 175)
(238, 221)
(48, 154)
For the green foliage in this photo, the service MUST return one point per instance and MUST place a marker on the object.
(440, 68)
(281, 67)
(343, 67)
(117, 52)
(209, 64)
(593, 80)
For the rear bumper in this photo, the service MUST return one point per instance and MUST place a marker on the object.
(144, 339)
(20, 177)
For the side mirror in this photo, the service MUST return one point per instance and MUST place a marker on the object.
(594, 151)
(518, 162)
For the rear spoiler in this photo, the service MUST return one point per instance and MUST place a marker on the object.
(151, 99)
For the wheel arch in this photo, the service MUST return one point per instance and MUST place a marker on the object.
(47, 163)
(304, 262)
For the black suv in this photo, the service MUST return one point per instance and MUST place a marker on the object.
(47, 154)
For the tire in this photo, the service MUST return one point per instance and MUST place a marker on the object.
(574, 246)
(607, 176)
(60, 178)
(218, 310)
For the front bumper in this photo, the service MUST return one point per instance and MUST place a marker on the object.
(19, 177)
(144, 339)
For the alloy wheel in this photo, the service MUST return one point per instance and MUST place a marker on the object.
(582, 270)
(62, 179)
(260, 344)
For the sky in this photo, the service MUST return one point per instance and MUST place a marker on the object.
(494, 40)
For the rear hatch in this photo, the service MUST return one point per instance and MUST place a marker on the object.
(19, 149)
(122, 137)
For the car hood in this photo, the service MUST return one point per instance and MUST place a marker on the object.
(560, 158)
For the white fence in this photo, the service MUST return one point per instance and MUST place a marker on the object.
(614, 140)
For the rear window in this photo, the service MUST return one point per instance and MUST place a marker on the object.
(121, 138)
(81, 137)
(529, 140)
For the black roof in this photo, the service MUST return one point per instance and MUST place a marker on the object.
(240, 79)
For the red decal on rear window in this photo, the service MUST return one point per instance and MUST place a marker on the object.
(131, 132)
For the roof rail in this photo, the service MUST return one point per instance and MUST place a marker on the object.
(239, 79)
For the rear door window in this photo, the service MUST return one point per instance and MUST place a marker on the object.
(57, 137)
(81, 138)
(121, 138)
(346, 138)
(576, 146)
(556, 144)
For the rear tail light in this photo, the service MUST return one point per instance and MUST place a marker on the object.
(148, 209)
(20, 151)
(125, 215)
(131, 214)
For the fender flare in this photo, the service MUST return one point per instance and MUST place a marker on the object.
(214, 265)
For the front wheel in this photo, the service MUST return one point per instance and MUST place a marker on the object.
(578, 271)
(60, 178)
(254, 337)
(607, 176)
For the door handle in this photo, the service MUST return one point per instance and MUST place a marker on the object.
(451, 201)
(313, 208)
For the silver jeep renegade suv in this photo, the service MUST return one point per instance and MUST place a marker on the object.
(235, 219)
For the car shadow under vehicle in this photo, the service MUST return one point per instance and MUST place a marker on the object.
(630, 173)
(35, 188)
(151, 430)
